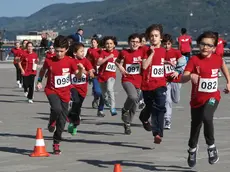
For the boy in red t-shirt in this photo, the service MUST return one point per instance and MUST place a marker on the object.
(202, 70)
(57, 88)
(129, 62)
(79, 86)
(185, 42)
(154, 82)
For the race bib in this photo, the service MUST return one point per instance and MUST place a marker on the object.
(157, 71)
(111, 67)
(208, 85)
(62, 81)
(78, 81)
(133, 68)
(169, 69)
(34, 66)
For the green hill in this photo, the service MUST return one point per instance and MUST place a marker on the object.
(122, 17)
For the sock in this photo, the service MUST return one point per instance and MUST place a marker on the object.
(211, 146)
(192, 149)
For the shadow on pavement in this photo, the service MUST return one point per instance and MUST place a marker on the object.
(142, 165)
(122, 144)
(15, 150)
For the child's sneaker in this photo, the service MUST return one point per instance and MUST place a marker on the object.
(157, 139)
(213, 155)
(100, 114)
(192, 157)
(56, 149)
(52, 127)
(70, 128)
(74, 132)
(113, 112)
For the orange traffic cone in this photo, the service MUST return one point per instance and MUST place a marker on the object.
(39, 148)
(117, 168)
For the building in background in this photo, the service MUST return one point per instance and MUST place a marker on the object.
(36, 36)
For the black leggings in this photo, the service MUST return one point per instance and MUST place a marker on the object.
(75, 112)
(18, 73)
(28, 83)
(58, 114)
(203, 114)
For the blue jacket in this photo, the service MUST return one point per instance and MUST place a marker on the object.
(77, 38)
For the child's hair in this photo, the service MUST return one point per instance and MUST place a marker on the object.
(77, 46)
(96, 39)
(106, 38)
(208, 34)
(158, 27)
(61, 42)
(183, 31)
(133, 36)
(166, 38)
(29, 43)
(142, 35)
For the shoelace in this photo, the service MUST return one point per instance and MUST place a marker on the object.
(192, 156)
(211, 153)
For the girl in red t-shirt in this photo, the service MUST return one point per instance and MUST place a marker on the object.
(28, 65)
(93, 55)
(17, 52)
(107, 73)
(202, 70)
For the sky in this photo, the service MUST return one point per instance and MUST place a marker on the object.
(12, 8)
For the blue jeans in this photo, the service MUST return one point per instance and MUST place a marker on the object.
(155, 105)
(97, 94)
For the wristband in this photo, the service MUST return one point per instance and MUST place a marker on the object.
(39, 79)
(179, 72)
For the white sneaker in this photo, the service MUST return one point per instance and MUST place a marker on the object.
(18, 82)
(26, 94)
(30, 101)
(19, 85)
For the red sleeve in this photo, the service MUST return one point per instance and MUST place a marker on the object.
(100, 54)
(178, 54)
(88, 65)
(190, 40)
(145, 51)
(121, 55)
(88, 54)
(73, 65)
(45, 65)
(190, 65)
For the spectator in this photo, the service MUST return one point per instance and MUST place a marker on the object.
(78, 37)
(44, 42)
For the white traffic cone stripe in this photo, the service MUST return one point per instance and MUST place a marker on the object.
(40, 142)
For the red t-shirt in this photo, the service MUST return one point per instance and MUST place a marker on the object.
(207, 87)
(17, 53)
(81, 85)
(93, 55)
(29, 63)
(172, 56)
(185, 42)
(220, 47)
(108, 69)
(133, 65)
(58, 81)
(50, 55)
(153, 77)
(144, 48)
